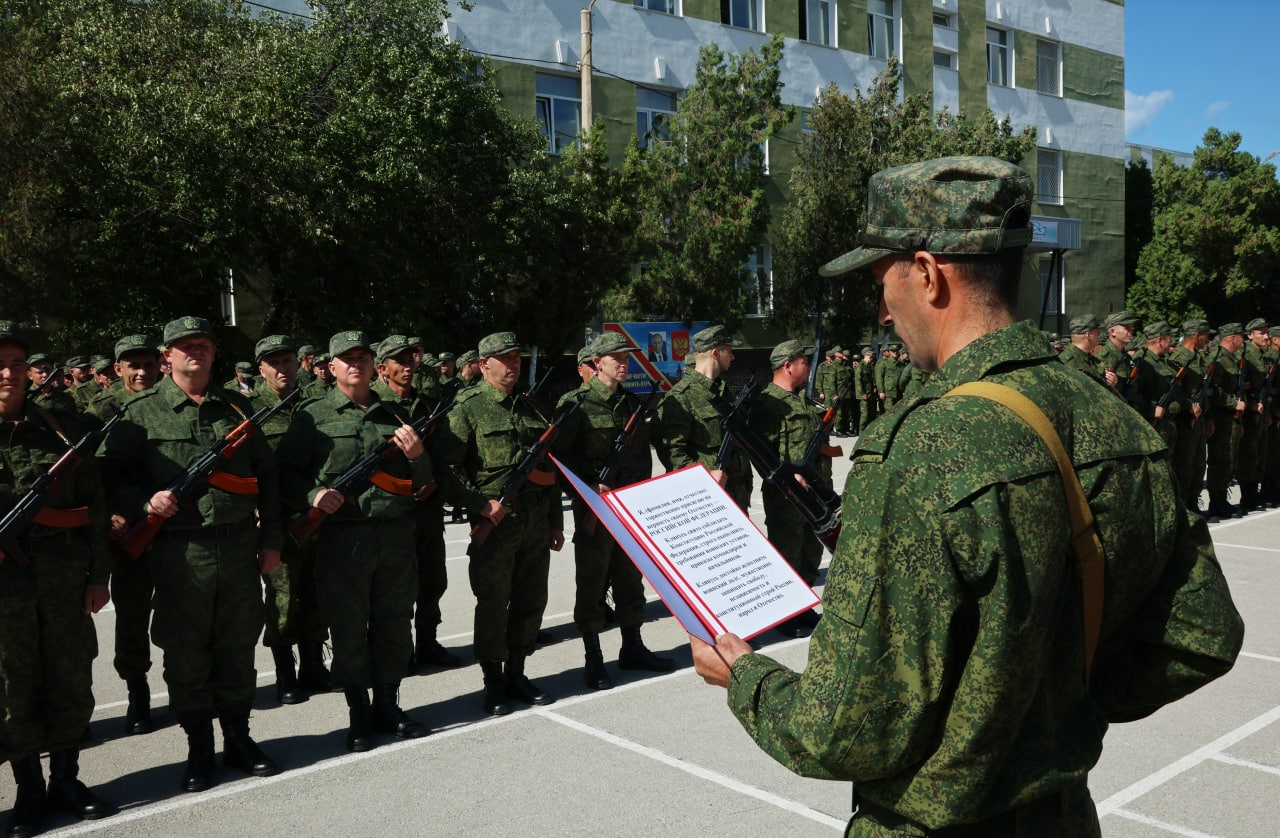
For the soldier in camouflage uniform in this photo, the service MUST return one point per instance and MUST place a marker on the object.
(84, 391)
(307, 361)
(1228, 408)
(824, 378)
(489, 429)
(1078, 354)
(585, 443)
(138, 368)
(207, 558)
(1253, 451)
(947, 676)
(322, 378)
(468, 369)
(783, 417)
(1156, 379)
(55, 396)
(865, 389)
(51, 579)
(1113, 356)
(842, 388)
(365, 566)
(689, 428)
(1271, 467)
(1189, 453)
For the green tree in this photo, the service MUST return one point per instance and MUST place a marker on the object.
(1215, 250)
(850, 139)
(1138, 195)
(700, 205)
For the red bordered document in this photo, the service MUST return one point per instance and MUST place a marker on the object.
(708, 561)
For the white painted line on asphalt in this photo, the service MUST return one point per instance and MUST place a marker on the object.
(1158, 824)
(696, 770)
(1245, 547)
(1260, 657)
(1252, 516)
(1246, 763)
(1191, 760)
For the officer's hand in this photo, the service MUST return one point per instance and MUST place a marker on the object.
(268, 560)
(1111, 377)
(95, 597)
(118, 525)
(163, 504)
(713, 662)
(408, 441)
(494, 511)
(557, 540)
(1196, 410)
(720, 477)
(1160, 412)
(329, 501)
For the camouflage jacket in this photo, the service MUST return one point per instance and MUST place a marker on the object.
(273, 429)
(1222, 395)
(1195, 363)
(690, 430)
(788, 423)
(946, 676)
(486, 437)
(587, 437)
(163, 433)
(1076, 358)
(28, 448)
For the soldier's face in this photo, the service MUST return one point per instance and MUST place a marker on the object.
(1259, 338)
(797, 370)
(502, 371)
(900, 307)
(398, 370)
(279, 370)
(611, 369)
(39, 373)
(586, 371)
(139, 370)
(352, 370)
(80, 374)
(191, 356)
(1121, 332)
(13, 369)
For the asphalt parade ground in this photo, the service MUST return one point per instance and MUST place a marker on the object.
(656, 755)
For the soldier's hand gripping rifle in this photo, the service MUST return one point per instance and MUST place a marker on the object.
(608, 471)
(198, 474)
(524, 470)
(30, 508)
(48, 382)
(1205, 383)
(822, 436)
(1241, 394)
(800, 483)
(368, 470)
(1174, 384)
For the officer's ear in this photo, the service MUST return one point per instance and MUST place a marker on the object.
(931, 279)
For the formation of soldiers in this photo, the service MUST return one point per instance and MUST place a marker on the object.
(327, 523)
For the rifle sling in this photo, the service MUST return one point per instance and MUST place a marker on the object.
(1086, 548)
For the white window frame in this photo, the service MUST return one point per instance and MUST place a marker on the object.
(546, 107)
(948, 20)
(949, 64)
(759, 270)
(1049, 83)
(754, 10)
(1049, 176)
(818, 10)
(805, 126)
(665, 7)
(646, 113)
(1000, 57)
(878, 39)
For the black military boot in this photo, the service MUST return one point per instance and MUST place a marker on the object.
(312, 675)
(28, 806)
(137, 719)
(389, 718)
(428, 650)
(596, 676)
(360, 736)
(239, 750)
(287, 689)
(198, 774)
(68, 794)
(521, 688)
(495, 700)
(634, 655)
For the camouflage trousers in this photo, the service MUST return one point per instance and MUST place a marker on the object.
(1223, 448)
(208, 615)
(131, 590)
(508, 576)
(1189, 456)
(47, 647)
(1253, 450)
(791, 534)
(433, 578)
(366, 578)
(600, 562)
(1068, 814)
(864, 415)
(292, 606)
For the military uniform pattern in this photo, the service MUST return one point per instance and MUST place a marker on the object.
(945, 678)
(1249, 462)
(1223, 447)
(691, 432)
(1189, 452)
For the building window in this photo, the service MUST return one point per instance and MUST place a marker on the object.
(999, 59)
(944, 20)
(744, 14)
(806, 127)
(654, 110)
(1051, 298)
(1049, 67)
(818, 22)
(1049, 176)
(882, 28)
(944, 59)
(758, 287)
(665, 6)
(559, 111)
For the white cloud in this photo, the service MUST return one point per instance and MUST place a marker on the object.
(1140, 111)
(1217, 109)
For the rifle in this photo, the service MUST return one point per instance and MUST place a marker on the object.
(39, 391)
(620, 443)
(354, 478)
(1205, 383)
(728, 443)
(822, 435)
(522, 471)
(1241, 395)
(814, 500)
(197, 474)
(1267, 384)
(531, 394)
(1173, 385)
(28, 508)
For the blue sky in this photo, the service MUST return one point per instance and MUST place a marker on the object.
(1193, 65)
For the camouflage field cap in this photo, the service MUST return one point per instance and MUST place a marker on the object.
(305, 350)
(610, 342)
(1084, 323)
(446, 357)
(498, 343)
(429, 360)
(132, 343)
(786, 351)
(98, 363)
(391, 347)
(948, 205)
(323, 359)
(1119, 318)
(244, 367)
(1196, 327)
(416, 342)
(346, 341)
(1274, 332)
(186, 327)
(585, 354)
(272, 344)
(711, 337)
(1157, 329)
(468, 357)
(866, 350)
(39, 358)
(11, 331)
(1230, 329)
(78, 362)
(835, 350)
(1257, 323)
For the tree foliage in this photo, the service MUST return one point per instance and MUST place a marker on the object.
(850, 139)
(700, 203)
(1215, 249)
